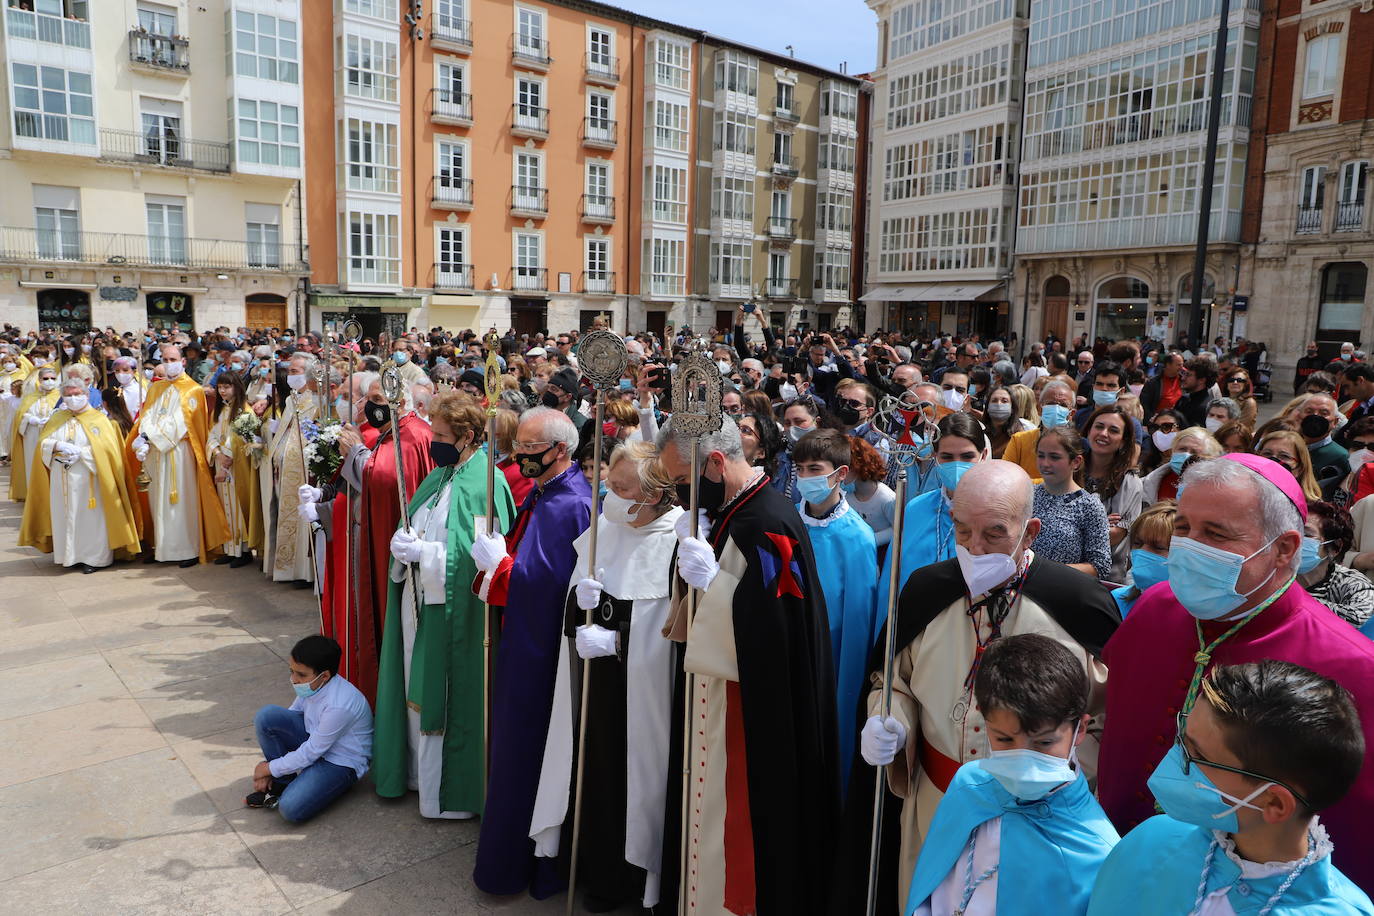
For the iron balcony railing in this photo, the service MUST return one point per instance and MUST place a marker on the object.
(786, 115)
(598, 281)
(781, 288)
(1309, 220)
(783, 167)
(782, 227)
(601, 68)
(598, 207)
(452, 276)
(599, 131)
(19, 245)
(1350, 216)
(529, 120)
(445, 104)
(165, 148)
(529, 278)
(453, 192)
(161, 52)
(74, 33)
(451, 30)
(531, 51)
(526, 199)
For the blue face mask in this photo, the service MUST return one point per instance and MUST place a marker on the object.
(950, 472)
(1102, 398)
(1052, 415)
(1148, 569)
(1177, 460)
(400, 357)
(625, 384)
(1193, 798)
(236, 366)
(1204, 578)
(1311, 554)
(815, 490)
(305, 690)
(847, 487)
(440, 361)
(1029, 775)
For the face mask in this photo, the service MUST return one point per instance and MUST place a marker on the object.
(1207, 576)
(1315, 427)
(1177, 460)
(815, 490)
(1052, 415)
(69, 351)
(172, 368)
(796, 432)
(341, 408)
(999, 411)
(444, 454)
(76, 402)
(264, 371)
(1213, 424)
(952, 399)
(847, 413)
(984, 572)
(1193, 798)
(1311, 554)
(400, 357)
(1149, 360)
(710, 494)
(1162, 440)
(1029, 775)
(236, 366)
(847, 487)
(1148, 569)
(47, 384)
(148, 373)
(1346, 356)
(378, 415)
(305, 690)
(40, 361)
(1102, 398)
(85, 348)
(440, 361)
(725, 366)
(532, 464)
(549, 399)
(296, 382)
(950, 473)
(618, 510)
(1136, 389)
(9, 367)
(625, 384)
(787, 391)
(1359, 458)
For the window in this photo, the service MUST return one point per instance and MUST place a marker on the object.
(370, 149)
(269, 133)
(529, 103)
(452, 183)
(1323, 65)
(158, 20)
(166, 229)
(599, 110)
(670, 126)
(57, 219)
(381, 9)
(53, 104)
(732, 198)
(599, 189)
(1353, 180)
(59, 22)
(529, 32)
(529, 260)
(600, 50)
(841, 102)
(263, 231)
(784, 99)
(451, 16)
(734, 132)
(265, 47)
(925, 23)
(667, 260)
(782, 206)
(959, 239)
(1342, 305)
(452, 79)
(672, 67)
(832, 270)
(778, 268)
(1313, 187)
(373, 250)
(731, 266)
(737, 72)
(370, 68)
(598, 279)
(529, 189)
(837, 153)
(452, 249)
(161, 123)
(782, 149)
(835, 211)
(670, 194)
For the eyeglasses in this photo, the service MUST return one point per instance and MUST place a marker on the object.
(1189, 761)
(529, 446)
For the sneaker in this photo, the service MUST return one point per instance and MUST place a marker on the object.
(262, 800)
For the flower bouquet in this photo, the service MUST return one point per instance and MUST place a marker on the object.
(322, 453)
(248, 427)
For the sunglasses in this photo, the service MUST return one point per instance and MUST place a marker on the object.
(1166, 427)
(1189, 761)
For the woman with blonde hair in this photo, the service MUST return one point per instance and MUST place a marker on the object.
(1024, 404)
(630, 672)
(1162, 482)
(1290, 450)
(1151, 533)
(507, 422)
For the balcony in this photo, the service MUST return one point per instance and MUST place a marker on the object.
(601, 69)
(598, 282)
(529, 279)
(780, 288)
(784, 168)
(1350, 217)
(528, 202)
(531, 53)
(453, 276)
(782, 229)
(598, 209)
(167, 54)
(785, 117)
(449, 107)
(167, 151)
(20, 245)
(529, 121)
(1309, 220)
(451, 193)
(599, 133)
(450, 34)
(663, 286)
(54, 30)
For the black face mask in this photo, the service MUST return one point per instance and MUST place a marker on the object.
(443, 454)
(847, 413)
(710, 494)
(378, 415)
(1315, 427)
(532, 464)
(549, 399)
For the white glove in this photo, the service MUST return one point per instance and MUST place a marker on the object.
(594, 641)
(683, 526)
(141, 452)
(488, 550)
(308, 494)
(271, 427)
(696, 562)
(880, 739)
(588, 593)
(405, 546)
(308, 512)
(66, 449)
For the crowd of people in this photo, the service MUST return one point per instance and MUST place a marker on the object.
(1117, 592)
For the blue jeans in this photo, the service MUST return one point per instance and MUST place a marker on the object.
(310, 791)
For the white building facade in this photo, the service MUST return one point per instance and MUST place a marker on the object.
(150, 160)
(945, 131)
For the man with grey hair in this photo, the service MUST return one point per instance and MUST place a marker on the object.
(763, 689)
(1056, 409)
(947, 614)
(526, 574)
(286, 553)
(1231, 598)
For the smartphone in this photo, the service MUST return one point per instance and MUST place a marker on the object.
(749, 307)
(658, 377)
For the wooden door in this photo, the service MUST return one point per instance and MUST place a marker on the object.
(260, 315)
(1056, 320)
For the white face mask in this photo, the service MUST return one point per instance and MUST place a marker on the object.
(40, 361)
(999, 411)
(69, 351)
(295, 382)
(787, 391)
(1213, 424)
(620, 511)
(76, 402)
(147, 373)
(1360, 457)
(1162, 440)
(172, 368)
(10, 367)
(954, 400)
(984, 572)
(124, 378)
(47, 384)
(725, 366)
(796, 432)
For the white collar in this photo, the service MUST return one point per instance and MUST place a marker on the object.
(840, 510)
(1319, 843)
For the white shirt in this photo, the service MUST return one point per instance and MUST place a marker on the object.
(133, 397)
(338, 726)
(949, 893)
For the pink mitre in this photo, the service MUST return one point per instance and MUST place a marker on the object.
(1276, 474)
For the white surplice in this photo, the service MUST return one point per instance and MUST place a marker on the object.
(79, 534)
(289, 557)
(171, 467)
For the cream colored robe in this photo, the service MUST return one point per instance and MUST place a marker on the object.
(76, 505)
(171, 467)
(289, 557)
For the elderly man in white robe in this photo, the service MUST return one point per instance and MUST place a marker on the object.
(287, 557)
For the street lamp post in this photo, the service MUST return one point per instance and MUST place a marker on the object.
(1209, 167)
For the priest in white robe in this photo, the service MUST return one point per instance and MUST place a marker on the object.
(287, 557)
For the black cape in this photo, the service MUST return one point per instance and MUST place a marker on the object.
(1077, 602)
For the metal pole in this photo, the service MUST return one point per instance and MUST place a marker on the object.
(597, 412)
(350, 328)
(492, 386)
(310, 534)
(392, 389)
(894, 585)
(1209, 167)
(689, 684)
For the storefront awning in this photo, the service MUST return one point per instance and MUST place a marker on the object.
(893, 294)
(930, 292)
